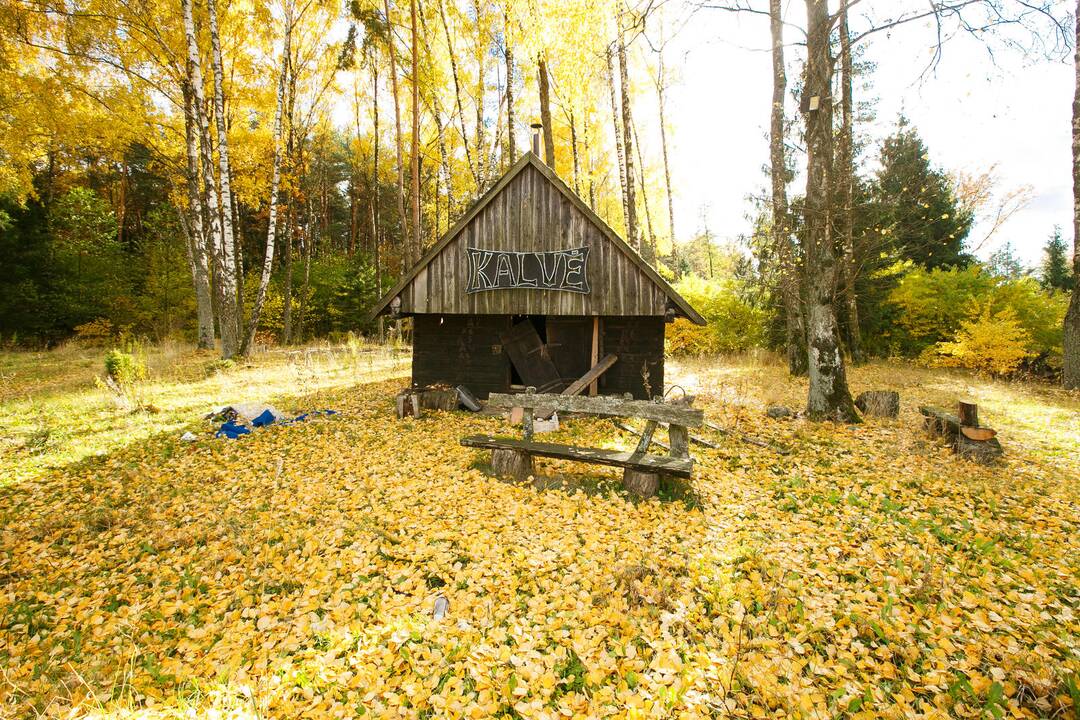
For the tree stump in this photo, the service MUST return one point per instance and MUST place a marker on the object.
(984, 452)
(640, 484)
(512, 463)
(439, 398)
(879, 403)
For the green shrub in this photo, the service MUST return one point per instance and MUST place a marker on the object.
(733, 324)
(124, 368)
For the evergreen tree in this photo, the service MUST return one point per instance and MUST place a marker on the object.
(916, 208)
(1055, 273)
(1004, 263)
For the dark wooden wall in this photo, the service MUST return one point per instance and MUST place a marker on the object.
(532, 214)
(639, 342)
(467, 350)
(461, 350)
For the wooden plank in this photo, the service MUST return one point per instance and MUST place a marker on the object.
(663, 445)
(646, 437)
(590, 377)
(522, 343)
(595, 356)
(681, 467)
(606, 406)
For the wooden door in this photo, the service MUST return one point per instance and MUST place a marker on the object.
(569, 343)
(530, 357)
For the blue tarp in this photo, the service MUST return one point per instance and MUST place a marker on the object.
(233, 430)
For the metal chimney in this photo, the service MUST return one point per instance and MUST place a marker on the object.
(536, 128)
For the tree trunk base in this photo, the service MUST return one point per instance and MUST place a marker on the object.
(512, 463)
(879, 403)
(641, 484)
(984, 452)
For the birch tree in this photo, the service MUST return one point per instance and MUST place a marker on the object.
(275, 184)
(230, 315)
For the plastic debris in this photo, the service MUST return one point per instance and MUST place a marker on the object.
(442, 606)
(189, 437)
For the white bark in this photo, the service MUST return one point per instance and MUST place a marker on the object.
(197, 250)
(227, 267)
(275, 185)
(213, 211)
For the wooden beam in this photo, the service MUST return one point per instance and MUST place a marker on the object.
(681, 467)
(595, 356)
(589, 378)
(606, 406)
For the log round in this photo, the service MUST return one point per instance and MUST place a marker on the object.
(640, 484)
(512, 463)
(879, 403)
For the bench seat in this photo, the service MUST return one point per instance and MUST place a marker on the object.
(679, 467)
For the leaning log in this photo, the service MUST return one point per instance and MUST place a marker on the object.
(978, 444)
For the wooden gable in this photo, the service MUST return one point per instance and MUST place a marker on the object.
(531, 211)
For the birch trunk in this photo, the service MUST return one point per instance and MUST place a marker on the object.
(618, 142)
(392, 52)
(376, 185)
(275, 184)
(574, 153)
(225, 300)
(414, 168)
(545, 110)
(508, 56)
(660, 97)
(846, 186)
(230, 309)
(648, 244)
(1071, 370)
(632, 232)
(782, 235)
(457, 96)
(200, 270)
(828, 397)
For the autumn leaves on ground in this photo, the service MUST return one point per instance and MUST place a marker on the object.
(821, 571)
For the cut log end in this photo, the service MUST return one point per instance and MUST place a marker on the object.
(512, 464)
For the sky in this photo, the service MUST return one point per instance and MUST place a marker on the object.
(1012, 112)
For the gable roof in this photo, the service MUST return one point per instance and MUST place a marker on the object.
(525, 161)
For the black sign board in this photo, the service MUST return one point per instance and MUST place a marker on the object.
(508, 270)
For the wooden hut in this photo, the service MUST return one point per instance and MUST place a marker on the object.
(531, 287)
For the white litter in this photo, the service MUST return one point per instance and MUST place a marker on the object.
(442, 606)
(189, 437)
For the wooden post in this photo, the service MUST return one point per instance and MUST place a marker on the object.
(527, 419)
(680, 441)
(968, 413)
(595, 357)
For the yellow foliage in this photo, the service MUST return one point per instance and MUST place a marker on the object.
(293, 573)
(993, 344)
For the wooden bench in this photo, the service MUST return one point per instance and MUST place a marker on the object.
(641, 471)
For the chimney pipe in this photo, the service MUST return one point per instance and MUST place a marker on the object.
(536, 127)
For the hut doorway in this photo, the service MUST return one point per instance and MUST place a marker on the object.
(548, 352)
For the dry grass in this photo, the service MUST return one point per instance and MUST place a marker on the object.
(53, 412)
